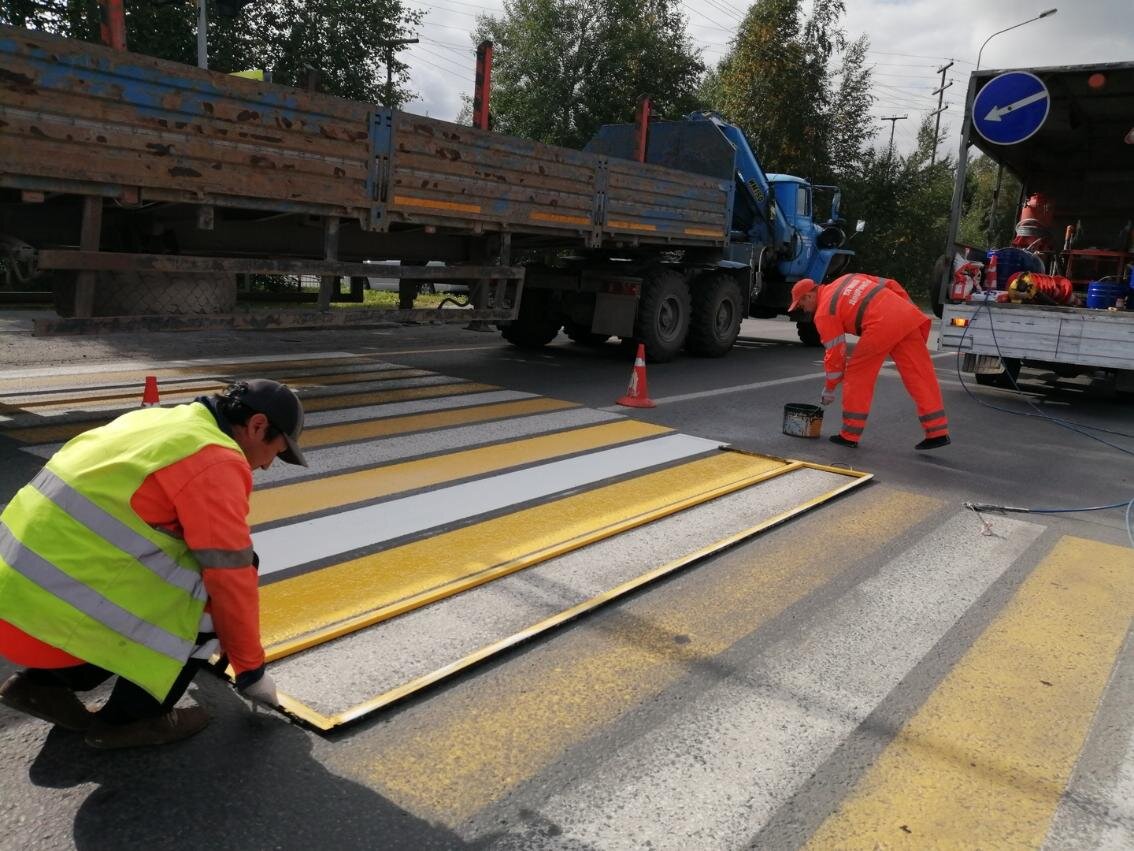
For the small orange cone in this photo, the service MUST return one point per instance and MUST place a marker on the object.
(150, 394)
(637, 396)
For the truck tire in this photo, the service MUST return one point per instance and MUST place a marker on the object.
(537, 323)
(940, 269)
(583, 335)
(717, 310)
(808, 334)
(151, 293)
(663, 315)
(1005, 379)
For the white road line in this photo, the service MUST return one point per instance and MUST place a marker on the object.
(311, 540)
(724, 391)
(383, 450)
(741, 749)
(128, 365)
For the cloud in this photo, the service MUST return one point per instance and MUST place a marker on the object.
(910, 40)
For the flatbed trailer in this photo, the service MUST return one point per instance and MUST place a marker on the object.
(120, 165)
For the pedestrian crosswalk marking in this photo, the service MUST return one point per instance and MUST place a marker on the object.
(318, 436)
(987, 757)
(344, 489)
(357, 593)
(499, 732)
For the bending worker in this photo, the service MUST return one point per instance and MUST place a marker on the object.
(887, 323)
(129, 554)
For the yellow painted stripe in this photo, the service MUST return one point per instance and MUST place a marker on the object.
(986, 758)
(703, 232)
(347, 488)
(368, 429)
(630, 225)
(72, 400)
(467, 748)
(851, 481)
(389, 583)
(258, 369)
(76, 401)
(354, 377)
(407, 201)
(560, 217)
(65, 431)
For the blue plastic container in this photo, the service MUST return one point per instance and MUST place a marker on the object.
(1104, 294)
(1009, 261)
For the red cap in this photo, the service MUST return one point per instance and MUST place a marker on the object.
(802, 287)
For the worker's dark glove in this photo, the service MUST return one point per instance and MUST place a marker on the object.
(258, 687)
(827, 398)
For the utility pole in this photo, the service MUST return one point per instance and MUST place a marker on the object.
(202, 35)
(391, 45)
(941, 107)
(893, 119)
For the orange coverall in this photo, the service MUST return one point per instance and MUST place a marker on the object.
(887, 323)
(203, 499)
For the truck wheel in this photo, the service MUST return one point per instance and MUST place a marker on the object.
(808, 334)
(583, 335)
(663, 316)
(940, 269)
(537, 323)
(1005, 379)
(717, 311)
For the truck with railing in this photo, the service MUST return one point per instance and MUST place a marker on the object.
(1066, 302)
(144, 190)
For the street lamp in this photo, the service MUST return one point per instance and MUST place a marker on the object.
(1046, 14)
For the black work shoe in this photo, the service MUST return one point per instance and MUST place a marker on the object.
(934, 442)
(177, 724)
(53, 704)
(842, 441)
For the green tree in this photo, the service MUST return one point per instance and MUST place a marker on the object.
(905, 202)
(342, 40)
(987, 218)
(562, 68)
(775, 83)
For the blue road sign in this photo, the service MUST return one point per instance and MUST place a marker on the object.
(1011, 107)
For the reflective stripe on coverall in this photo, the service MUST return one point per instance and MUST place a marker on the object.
(79, 570)
(887, 323)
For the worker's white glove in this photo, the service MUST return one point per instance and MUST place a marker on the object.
(263, 690)
(827, 398)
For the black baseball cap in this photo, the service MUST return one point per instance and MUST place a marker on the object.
(280, 405)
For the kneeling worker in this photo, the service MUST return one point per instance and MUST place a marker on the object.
(129, 554)
(887, 323)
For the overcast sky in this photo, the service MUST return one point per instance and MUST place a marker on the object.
(909, 41)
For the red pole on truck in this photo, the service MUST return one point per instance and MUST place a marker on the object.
(483, 88)
(112, 24)
(642, 131)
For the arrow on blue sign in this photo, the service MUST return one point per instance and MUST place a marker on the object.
(1011, 107)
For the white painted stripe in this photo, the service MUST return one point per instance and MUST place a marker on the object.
(366, 412)
(414, 406)
(739, 388)
(311, 540)
(741, 749)
(383, 450)
(724, 391)
(125, 365)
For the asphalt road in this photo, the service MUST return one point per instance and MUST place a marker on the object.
(872, 673)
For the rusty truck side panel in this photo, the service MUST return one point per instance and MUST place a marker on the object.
(83, 118)
(444, 173)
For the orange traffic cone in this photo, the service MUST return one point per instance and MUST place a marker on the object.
(150, 394)
(637, 396)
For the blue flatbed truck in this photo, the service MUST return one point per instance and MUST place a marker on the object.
(143, 188)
